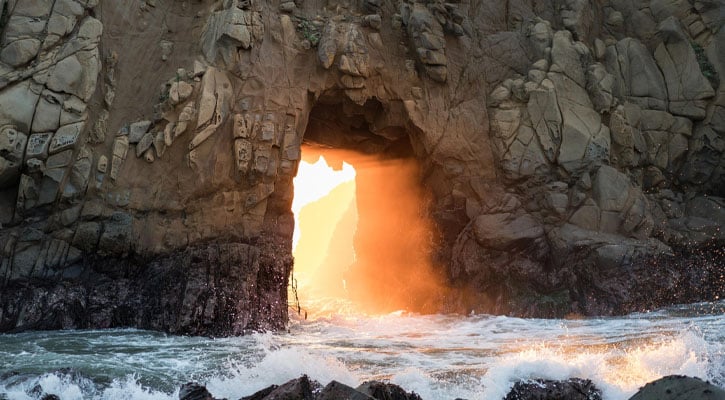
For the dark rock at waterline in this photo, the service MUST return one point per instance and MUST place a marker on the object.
(386, 391)
(194, 391)
(260, 395)
(157, 293)
(339, 391)
(50, 397)
(302, 388)
(544, 389)
(678, 387)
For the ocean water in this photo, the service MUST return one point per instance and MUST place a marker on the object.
(437, 356)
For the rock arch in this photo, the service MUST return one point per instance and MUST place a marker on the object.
(175, 199)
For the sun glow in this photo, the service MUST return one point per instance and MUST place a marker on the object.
(325, 220)
(313, 182)
(363, 238)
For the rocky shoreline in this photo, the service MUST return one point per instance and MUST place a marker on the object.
(667, 388)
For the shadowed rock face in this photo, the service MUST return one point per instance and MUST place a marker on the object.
(572, 150)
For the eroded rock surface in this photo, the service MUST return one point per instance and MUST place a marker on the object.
(572, 150)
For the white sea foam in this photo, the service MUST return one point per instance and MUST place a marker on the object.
(438, 357)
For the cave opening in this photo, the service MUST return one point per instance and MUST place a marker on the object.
(363, 239)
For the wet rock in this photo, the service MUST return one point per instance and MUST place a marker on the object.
(541, 389)
(261, 394)
(676, 387)
(386, 391)
(336, 390)
(301, 388)
(194, 391)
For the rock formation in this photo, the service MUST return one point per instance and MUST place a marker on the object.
(572, 149)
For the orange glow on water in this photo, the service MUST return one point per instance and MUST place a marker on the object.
(362, 235)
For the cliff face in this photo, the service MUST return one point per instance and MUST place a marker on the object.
(573, 150)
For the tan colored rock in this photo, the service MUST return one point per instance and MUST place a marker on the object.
(59, 160)
(546, 118)
(214, 105)
(47, 112)
(179, 92)
(102, 165)
(17, 104)
(12, 148)
(688, 90)
(38, 145)
(67, 76)
(587, 216)
(328, 45)
(20, 52)
(90, 29)
(503, 231)
(565, 55)
(159, 144)
(74, 110)
(137, 130)
(120, 147)
(637, 77)
(66, 137)
(610, 189)
(145, 143)
(243, 155)
(149, 156)
(584, 140)
(230, 29)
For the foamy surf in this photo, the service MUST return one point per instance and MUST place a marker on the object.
(437, 356)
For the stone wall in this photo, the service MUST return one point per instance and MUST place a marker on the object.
(569, 146)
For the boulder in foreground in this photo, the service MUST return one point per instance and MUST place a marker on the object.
(677, 387)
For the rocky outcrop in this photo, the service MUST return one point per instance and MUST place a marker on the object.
(565, 146)
(679, 387)
(542, 389)
(304, 388)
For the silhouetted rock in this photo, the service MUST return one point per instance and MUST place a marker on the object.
(194, 391)
(297, 389)
(677, 387)
(386, 391)
(544, 389)
(260, 395)
(339, 391)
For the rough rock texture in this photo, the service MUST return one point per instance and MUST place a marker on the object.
(304, 388)
(541, 389)
(677, 387)
(572, 150)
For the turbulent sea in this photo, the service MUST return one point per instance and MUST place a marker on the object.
(437, 356)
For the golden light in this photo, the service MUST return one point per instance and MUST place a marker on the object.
(363, 237)
(323, 198)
